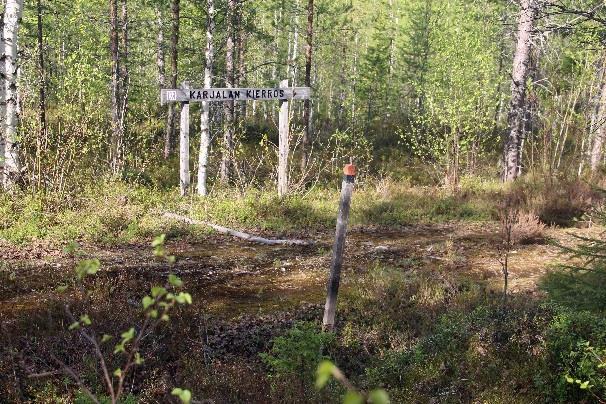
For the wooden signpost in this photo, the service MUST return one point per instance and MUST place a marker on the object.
(283, 93)
(332, 289)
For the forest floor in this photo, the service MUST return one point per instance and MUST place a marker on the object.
(421, 263)
(229, 277)
(245, 294)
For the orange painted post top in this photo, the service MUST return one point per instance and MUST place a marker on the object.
(350, 170)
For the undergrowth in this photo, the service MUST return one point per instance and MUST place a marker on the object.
(116, 212)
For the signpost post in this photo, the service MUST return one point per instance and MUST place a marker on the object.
(283, 94)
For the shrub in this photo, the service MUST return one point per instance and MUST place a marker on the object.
(293, 360)
(576, 343)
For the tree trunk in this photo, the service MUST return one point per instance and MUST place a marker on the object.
(12, 18)
(228, 106)
(204, 121)
(283, 145)
(2, 98)
(42, 101)
(160, 60)
(595, 156)
(169, 137)
(241, 82)
(515, 119)
(115, 88)
(184, 173)
(307, 105)
(124, 77)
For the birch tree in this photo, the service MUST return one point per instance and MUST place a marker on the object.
(42, 133)
(10, 33)
(307, 105)
(598, 118)
(169, 137)
(116, 136)
(124, 73)
(204, 119)
(517, 105)
(2, 97)
(160, 59)
(228, 106)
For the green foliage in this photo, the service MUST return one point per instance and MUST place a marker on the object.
(487, 344)
(326, 370)
(576, 343)
(293, 359)
(184, 395)
(83, 398)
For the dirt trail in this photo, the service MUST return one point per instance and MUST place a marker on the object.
(229, 277)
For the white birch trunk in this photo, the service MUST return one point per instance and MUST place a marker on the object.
(204, 119)
(160, 59)
(12, 16)
(283, 146)
(517, 106)
(599, 135)
(184, 173)
(295, 46)
(2, 99)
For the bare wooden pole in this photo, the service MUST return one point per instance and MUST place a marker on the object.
(184, 173)
(283, 146)
(338, 248)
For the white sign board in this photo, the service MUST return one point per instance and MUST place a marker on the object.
(234, 94)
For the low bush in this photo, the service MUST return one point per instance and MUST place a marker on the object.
(292, 362)
(576, 343)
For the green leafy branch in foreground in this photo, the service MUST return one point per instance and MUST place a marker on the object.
(156, 308)
(326, 370)
(593, 364)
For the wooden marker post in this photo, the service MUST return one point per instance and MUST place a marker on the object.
(184, 174)
(338, 247)
(283, 145)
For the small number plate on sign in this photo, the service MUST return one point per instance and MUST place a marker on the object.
(172, 95)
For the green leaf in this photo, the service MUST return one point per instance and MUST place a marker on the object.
(62, 288)
(171, 259)
(324, 373)
(119, 348)
(157, 291)
(378, 396)
(105, 338)
(175, 281)
(147, 301)
(585, 385)
(118, 372)
(128, 335)
(183, 394)
(87, 267)
(85, 319)
(353, 397)
(183, 298)
(74, 326)
(71, 247)
(138, 359)
(153, 313)
(569, 379)
(158, 241)
(164, 317)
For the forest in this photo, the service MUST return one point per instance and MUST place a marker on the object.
(292, 201)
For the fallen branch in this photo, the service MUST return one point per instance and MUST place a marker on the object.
(235, 233)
